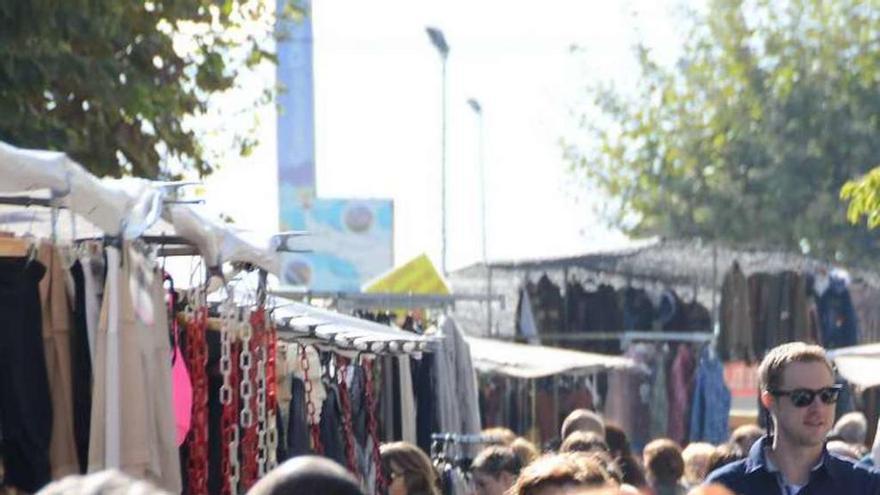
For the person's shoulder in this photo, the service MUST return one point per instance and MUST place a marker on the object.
(859, 474)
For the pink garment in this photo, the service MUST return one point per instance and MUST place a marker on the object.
(183, 396)
(680, 385)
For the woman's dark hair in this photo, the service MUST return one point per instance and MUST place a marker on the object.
(415, 466)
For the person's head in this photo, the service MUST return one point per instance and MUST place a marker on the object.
(494, 470)
(561, 474)
(583, 441)
(307, 474)
(723, 455)
(713, 489)
(582, 420)
(663, 462)
(408, 470)
(696, 460)
(617, 441)
(843, 449)
(110, 482)
(503, 436)
(746, 435)
(852, 428)
(797, 388)
(525, 450)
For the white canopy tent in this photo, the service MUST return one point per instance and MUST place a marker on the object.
(536, 361)
(858, 364)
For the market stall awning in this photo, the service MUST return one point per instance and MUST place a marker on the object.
(858, 364)
(536, 361)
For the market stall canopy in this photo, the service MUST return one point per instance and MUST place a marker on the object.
(858, 364)
(535, 361)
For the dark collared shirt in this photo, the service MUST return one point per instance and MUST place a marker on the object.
(832, 475)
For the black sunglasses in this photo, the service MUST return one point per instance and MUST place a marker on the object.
(803, 397)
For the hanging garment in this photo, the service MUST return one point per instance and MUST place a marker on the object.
(638, 312)
(297, 424)
(628, 399)
(839, 324)
(92, 259)
(735, 340)
(659, 396)
(681, 375)
(25, 401)
(183, 395)
(455, 382)
(56, 341)
(133, 403)
(81, 359)
(407, 402)
(710, 411)
(331, 427)
(423, 376)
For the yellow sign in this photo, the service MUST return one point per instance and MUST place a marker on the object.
(417, 276)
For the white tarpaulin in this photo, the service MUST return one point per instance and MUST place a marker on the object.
(127, 207)
(859, 364)
(535, 361)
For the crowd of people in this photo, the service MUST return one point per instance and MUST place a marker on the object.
(804, 452)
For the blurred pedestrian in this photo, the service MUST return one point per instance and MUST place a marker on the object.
(495, 470)
(307, 474)
(408, 470)
(797, 388)
(582, 420)
(723, 455)
(583, 441)
(664, 467)
(618, 445)
(696, 461)
(746, 435)
(562, 474)
(109, 482)
(525, 450)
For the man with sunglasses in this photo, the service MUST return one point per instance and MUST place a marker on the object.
(797, 388)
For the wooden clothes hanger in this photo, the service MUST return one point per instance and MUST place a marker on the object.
(16, 247)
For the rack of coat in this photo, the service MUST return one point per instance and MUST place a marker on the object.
(763, 310)
(589, 308)
(84, 332)
(684, 397)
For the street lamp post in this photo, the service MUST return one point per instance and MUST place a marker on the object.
(481, 158)
(439, 42)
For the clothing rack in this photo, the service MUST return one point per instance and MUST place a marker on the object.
(361, 300)
(633, 336)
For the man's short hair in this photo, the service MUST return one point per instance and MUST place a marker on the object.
(308, 474)
(525, 450)
(696, 459)
(723, 455)
(583, 441)
(561, 470)
(502, 435)
(746, 432)
(773, 365)
(851, 428)
(663, 460)
(495, 460)
(582, 420)
(101, 482)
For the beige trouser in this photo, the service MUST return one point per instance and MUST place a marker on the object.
(56, 342)
(146, 443)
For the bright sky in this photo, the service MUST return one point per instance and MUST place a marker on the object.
(378, 117)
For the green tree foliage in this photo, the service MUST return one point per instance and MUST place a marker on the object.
(115, 83)
(772, 106)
